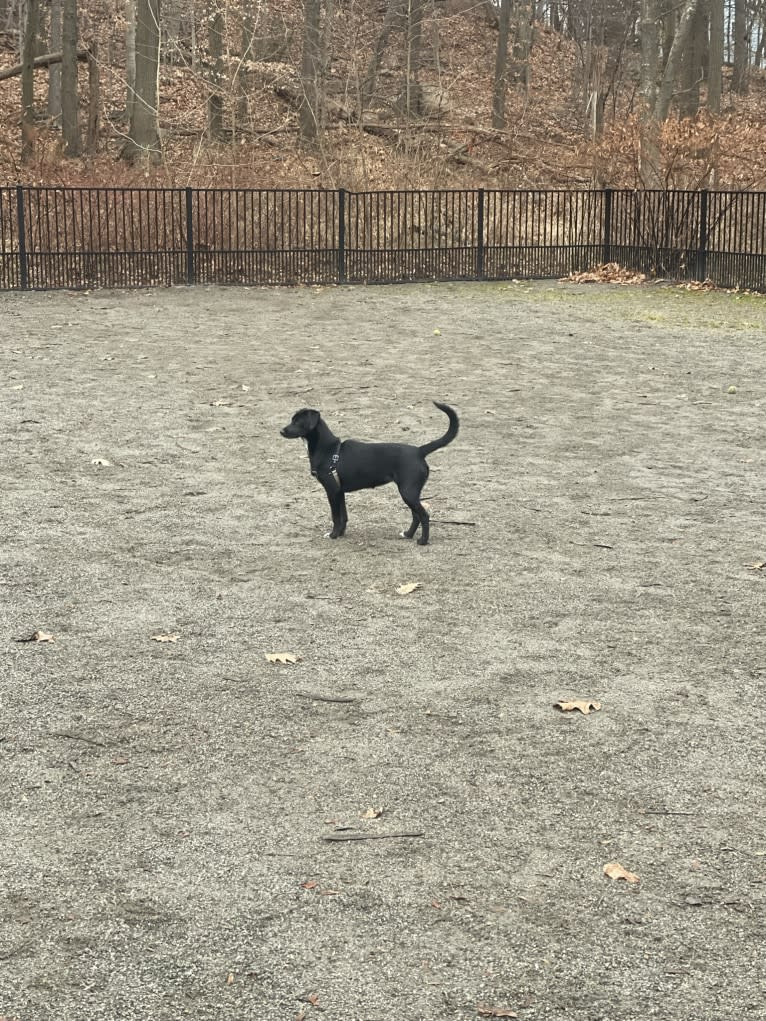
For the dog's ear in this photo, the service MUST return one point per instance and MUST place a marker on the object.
(310, 419)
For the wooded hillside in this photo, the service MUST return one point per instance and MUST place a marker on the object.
(368, 94)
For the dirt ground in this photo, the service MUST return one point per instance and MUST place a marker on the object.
(166, 805)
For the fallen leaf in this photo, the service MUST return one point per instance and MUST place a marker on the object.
(757, 566)
(372, 813)
(483, 1011)
(310, 884)
(282, 657)
(230, 979)
(437, 333)
(404, 590)
(614, 870)
(165, 638)
(585, 706)
(37, 636)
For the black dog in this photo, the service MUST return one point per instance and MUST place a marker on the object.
(343, 467)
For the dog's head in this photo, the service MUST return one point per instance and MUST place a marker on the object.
(301, 424)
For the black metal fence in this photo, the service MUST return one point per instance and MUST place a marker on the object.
(116, 237)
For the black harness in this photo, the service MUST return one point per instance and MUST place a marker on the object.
(331, 473)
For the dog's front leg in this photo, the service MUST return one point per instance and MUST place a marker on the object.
(337, 503)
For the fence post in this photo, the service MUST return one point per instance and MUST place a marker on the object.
(341, 235)
(190, 279)
(607, 252)
(480, 235)
(23, 259)
(702, 244)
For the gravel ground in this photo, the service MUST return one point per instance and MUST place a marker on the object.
(168, 807)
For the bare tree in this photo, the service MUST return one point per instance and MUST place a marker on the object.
(649, 155)
(310, 110)
(680, 42)
(739, 82)
(70, 122)
(130, 57)
(693, 63)
(393, 13)
(28, 82)
(715, 56)
(54, 71)
(217, 72)
(523, 14)
(501, 65)
(143, 139)
(413, 55)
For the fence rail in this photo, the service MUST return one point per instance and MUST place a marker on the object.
(53, 238)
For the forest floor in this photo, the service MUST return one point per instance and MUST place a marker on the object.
(176, 808)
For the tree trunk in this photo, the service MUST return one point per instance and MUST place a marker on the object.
(144, 137)
(242, 75)
(501, 65)
(94, 99)
(310, 112)
(28, 82)
(693, 62)
(522, 42)
(54, 70)
(649, 151)
(680, 42)
(715, 58)
(70, 122)
(130, 58)
(393, 11)
(739, 82)
(412, 98)
(217, 73)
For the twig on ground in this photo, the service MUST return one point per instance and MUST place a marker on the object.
(324, 698)
(77, 737)
(355, 835)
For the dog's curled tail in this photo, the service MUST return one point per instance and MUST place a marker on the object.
(448, 437)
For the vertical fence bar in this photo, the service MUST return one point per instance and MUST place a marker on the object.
(189, 239)
(607, 253)
(22, 235)
(341, 235)
(702, 240)
(480, 234)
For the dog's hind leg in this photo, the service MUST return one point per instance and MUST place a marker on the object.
(413, 527)
(420, 515)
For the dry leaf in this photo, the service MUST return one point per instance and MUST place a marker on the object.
(757, 566)
(230, 978)
(404, 590)
(483, 1011)
(165, 638)
(614, 870)
(282, 657)
(585, 706)
(310, 884)
(372, 813)
(37, 636)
